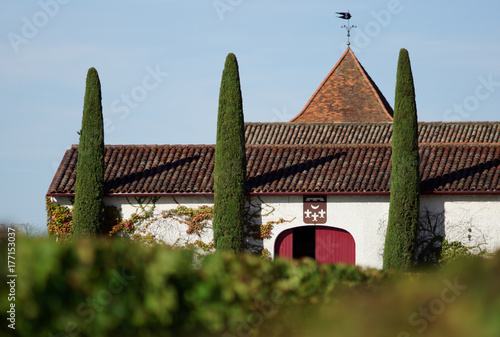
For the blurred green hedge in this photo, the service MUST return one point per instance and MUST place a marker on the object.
(119, 288)
(460, 300)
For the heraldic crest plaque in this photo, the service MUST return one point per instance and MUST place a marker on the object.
(314, 209)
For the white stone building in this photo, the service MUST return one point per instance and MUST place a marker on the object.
(318, 186)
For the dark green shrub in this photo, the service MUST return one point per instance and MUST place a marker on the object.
(460, 300)
(120, 288)
(88, 214)
(230, 163)
(454, 250)
(404, 209)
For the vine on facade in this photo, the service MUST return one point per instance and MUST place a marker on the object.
(265, 231)
(432, 247)
(197, 219)
(256, 232)
(60, 221)
(138, 226)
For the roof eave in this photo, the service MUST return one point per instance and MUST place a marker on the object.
(210, 194)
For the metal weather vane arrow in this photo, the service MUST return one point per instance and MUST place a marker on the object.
(344, 15)
(348, 27)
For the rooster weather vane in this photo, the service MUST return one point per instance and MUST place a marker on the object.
(348, 27)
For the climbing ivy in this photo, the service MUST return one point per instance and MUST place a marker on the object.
(265, 231)
(60, 221)
(197, 220)
(255, 233)
(456, 250)
(432, 247)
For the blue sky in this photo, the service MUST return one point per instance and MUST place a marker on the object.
(160, 63)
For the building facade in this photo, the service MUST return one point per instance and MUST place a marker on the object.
(319, 185)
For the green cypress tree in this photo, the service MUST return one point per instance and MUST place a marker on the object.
(230, 163)
(404, 209)
(89, 190)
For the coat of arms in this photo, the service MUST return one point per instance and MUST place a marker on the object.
(314, 210)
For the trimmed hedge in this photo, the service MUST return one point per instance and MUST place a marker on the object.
(119, 288)
(460, 300)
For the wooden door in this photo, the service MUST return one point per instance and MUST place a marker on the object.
(334, 245)
(284, 245)
(331, 245)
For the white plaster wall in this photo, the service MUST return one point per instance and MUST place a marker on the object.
(363, 216)
(477, 216)
(62, 201)
(168, 230)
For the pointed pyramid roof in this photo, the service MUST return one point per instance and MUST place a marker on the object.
(347, 94)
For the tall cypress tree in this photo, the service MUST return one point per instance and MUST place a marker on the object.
(230, 163)
(89, 190)
(404, 209)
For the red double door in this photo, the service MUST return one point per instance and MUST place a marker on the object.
(324, 244)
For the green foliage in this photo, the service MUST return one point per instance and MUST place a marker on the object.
(59, 221)
(435, 251)
(120, 288)
(400, 241)
(460, 300)
(27, 230)
(89, 190)
(454, 250)
(96, 287)
(230, 163)
(197, 218)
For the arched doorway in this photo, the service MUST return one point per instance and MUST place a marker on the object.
(322, 243)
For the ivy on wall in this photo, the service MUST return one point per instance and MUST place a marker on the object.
(197, 220)
(256, 232)
(433, 249)
(60, 221)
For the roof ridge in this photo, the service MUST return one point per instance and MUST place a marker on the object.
(317, 145)
(153, 145)
(460, 122)
(316, 123)
(376, 91)
(346, 93)
(457, 168)
(60, 172)
(373, 123)
(321, 85)
(354, 145)
(468, 144)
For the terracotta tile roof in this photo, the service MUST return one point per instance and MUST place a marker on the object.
(368, 133)
(347, 94)
(136, 169)
(145, 169)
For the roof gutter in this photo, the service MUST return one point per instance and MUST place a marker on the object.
(461, 193)
(137, 194)
(209, 194)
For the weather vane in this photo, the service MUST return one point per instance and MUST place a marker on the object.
(348, 27)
